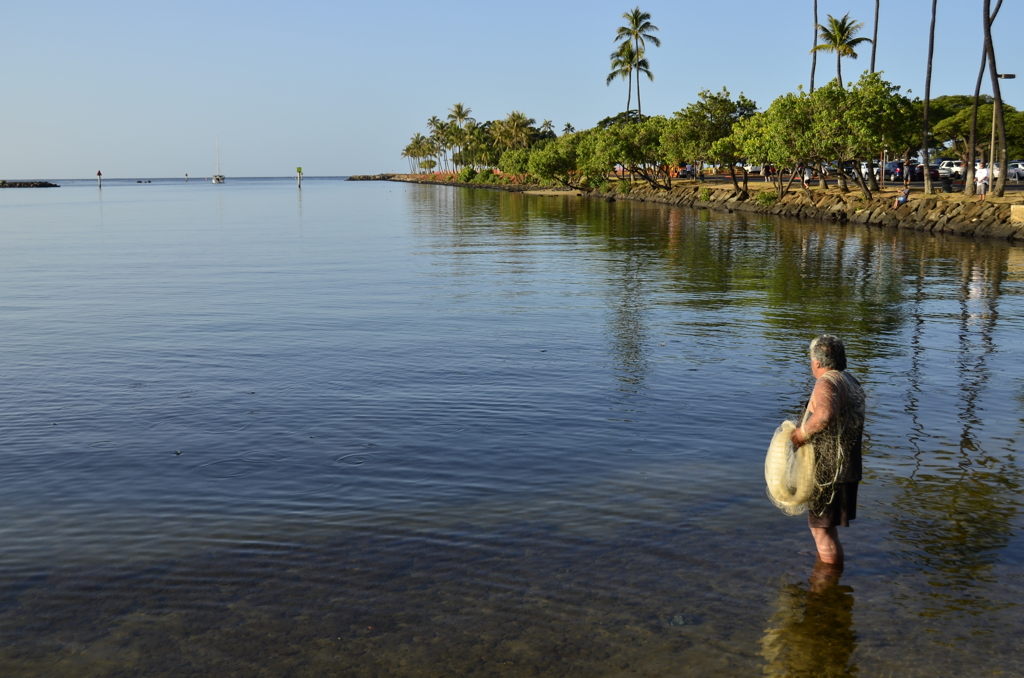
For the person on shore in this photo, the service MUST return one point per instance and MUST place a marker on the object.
(834, 423)
(765, 172)
(901, 198)
(908, 172)
(808, 175)
(981, 181)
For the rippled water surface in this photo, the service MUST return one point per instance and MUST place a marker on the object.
(379, 429)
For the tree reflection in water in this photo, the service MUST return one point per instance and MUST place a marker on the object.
(811, 633)
(933, 325)
(955, 512)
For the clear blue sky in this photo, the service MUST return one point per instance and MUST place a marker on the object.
(140, 89)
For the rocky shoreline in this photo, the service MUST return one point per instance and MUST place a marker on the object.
(28, 184)
(934, 214)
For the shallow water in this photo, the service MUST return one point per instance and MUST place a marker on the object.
(379, 429)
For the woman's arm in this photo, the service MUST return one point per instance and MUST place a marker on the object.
(822, 407)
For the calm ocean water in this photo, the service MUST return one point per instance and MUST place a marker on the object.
(379, 429)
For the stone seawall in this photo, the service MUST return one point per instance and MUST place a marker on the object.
(934, 214)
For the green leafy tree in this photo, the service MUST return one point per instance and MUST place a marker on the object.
(954, 132)
(692, 132)
(557, 160)
(515, 163)
(839, 36)
(594, 158)
(618, 119)
(879, 117)
(831, 135)
(637, 147)
(782, 136)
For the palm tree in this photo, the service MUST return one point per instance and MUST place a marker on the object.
(518, 129)
(459, 114)
(927, 99)
(840, 37)
(972, 144)
(814, 50)
(623, 61)
(417, 150)
(642, 67)
(997, 96)
(639, 30)
(568, 129)
(874, 37)
(441, 135)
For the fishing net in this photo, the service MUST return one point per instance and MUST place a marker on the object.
(807, 478)
(789, 471)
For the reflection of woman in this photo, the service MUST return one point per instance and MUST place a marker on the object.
(811, 632)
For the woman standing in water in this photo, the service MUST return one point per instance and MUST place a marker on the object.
(834, 423)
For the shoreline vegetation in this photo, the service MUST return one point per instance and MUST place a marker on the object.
(853, 133)
(951, 213)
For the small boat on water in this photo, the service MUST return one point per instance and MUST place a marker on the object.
(218, 178)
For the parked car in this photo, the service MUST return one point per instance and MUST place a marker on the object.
(865, 170)
(894, 170)
(955, 169)
(919, 173)
(1016, 171)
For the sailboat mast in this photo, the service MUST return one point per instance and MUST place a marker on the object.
(218, 154)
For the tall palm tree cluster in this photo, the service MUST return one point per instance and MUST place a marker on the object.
(460, 141)
(839, 36)
(631, 55)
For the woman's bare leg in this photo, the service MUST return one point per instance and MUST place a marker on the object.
(830, 551)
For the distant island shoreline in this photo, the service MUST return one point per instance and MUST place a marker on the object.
(28, 184)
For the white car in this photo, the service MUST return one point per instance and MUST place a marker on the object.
(1015, 171)
(864, 171)
(951, 168)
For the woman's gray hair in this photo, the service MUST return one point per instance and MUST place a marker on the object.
(829, 351)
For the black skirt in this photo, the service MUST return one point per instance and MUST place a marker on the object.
(840, 511)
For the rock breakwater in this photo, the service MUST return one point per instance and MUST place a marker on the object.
(28, 184)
